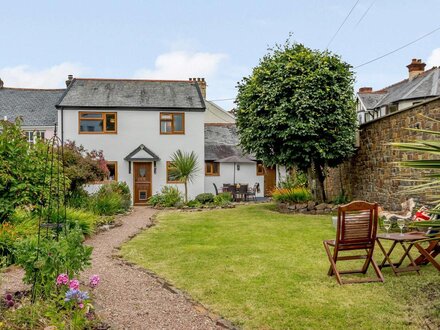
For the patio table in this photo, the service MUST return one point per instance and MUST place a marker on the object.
(406, 242)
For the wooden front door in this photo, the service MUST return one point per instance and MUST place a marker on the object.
(269, 180)
(141, 182)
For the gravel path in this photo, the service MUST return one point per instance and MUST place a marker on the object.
(129, 297)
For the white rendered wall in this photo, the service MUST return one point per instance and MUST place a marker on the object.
(142, 127)
(246, 175)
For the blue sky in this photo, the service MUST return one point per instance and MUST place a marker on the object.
(43, 41)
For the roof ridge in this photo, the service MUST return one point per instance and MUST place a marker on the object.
(34, 89)
(140, 80)
(424, 73)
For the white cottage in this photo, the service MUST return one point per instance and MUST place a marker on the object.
(139, 124)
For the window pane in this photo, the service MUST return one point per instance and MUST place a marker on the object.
(166, 116)
(112, 171)
(91, 126)
(91, 115)
(178, 122)
(142, 195)
(165, 127)
(110, 122)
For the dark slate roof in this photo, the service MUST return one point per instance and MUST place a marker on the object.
(425, 85)
(139, 94)
(35, 106)
(221, 141)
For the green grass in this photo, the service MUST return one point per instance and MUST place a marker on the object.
(266, 270)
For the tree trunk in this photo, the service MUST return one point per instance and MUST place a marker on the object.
(186, 192)
(320, 189)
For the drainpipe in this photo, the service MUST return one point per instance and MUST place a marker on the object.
(62, 126)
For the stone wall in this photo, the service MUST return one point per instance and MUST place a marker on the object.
(373, 174)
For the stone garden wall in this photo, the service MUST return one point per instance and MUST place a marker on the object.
(372, 174)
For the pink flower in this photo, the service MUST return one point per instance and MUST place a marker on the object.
(81, 305)
(62, 279)
(94, 281)
(74, 284)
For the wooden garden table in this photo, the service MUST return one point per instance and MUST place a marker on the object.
(406, 242)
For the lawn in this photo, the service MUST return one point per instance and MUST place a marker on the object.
(266, 270)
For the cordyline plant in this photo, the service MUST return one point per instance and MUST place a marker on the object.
(184, 168)
(297, 109)
(430, 181)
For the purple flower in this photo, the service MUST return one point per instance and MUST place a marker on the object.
(94, 281)
(62, 279)
(10, 303)
(8, 297)
(76, 295)
(74, 284)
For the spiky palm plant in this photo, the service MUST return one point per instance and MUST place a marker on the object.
(430, 181)
(184, 168)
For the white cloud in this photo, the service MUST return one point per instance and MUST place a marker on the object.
(434, 58)
(182, 65)
(26, 77)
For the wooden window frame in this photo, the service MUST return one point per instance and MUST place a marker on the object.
(170, 181)
(210, 165)
(103, 118)
(263, 171)
(173, 132)
(116, 173)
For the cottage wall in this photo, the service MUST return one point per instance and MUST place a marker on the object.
(373, 174)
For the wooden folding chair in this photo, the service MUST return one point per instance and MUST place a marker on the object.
(356, 230)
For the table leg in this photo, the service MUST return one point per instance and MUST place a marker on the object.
(387, 256)
(407, 254)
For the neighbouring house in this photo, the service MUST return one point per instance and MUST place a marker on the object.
(35, 107)
(420, 86)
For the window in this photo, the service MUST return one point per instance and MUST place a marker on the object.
(113, 171)
(97, 122)
(32, 136)
(170, 168)
(260, 168)
(172, 123)
(212, 168)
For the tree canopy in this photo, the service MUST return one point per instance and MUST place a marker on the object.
(297, 109)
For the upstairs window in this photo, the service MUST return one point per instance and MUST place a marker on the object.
(172, 123)
(212, 169)
(98, 122)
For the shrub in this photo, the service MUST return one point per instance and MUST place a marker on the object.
(222, 199)
(68, 255)
(168, 197)
(298, 179)
(293, 195)
(22, 170)
(111, 199)
(205, 198)
(194, 203)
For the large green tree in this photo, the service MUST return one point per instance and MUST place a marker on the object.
(297, 109)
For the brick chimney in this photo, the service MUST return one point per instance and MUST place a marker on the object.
(202, 85)
(69, 80)
(415, 68)
(366, 90)
(1, 83)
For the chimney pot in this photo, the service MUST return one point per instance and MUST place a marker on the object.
(69, 80)
(415, 68)
(202, 84)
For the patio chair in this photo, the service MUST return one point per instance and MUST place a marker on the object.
(356, 230)
(252, 192)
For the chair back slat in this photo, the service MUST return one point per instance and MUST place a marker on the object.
(357, 224)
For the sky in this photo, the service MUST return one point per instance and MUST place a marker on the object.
(41, 42)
